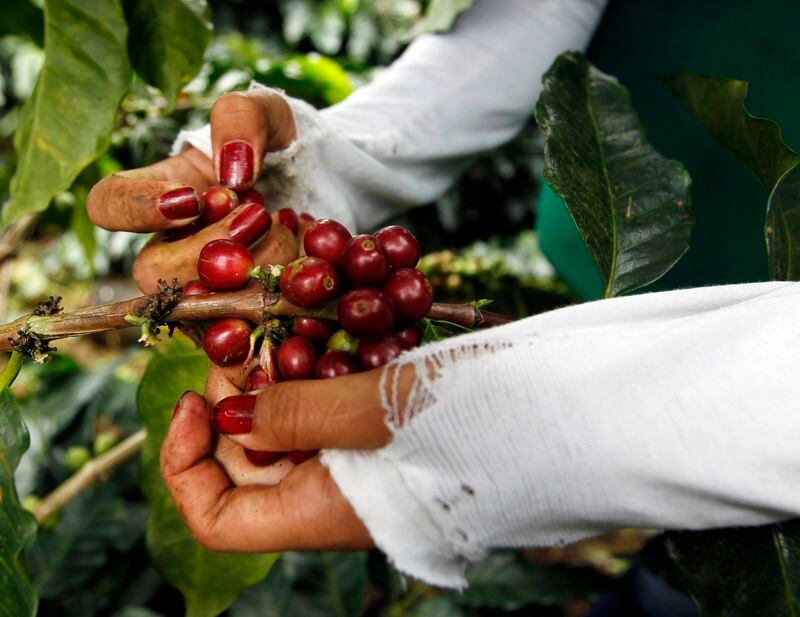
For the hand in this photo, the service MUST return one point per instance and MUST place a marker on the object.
(164, 196)
(306, 510)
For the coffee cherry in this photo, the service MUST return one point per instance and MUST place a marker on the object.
(196, 288)
(76, 457)
(227, 341)
(401, 247)
(309, 282)
(224, 265)
(366, 313)
(374, 353)
(219, 201)
(327, 239)
(262, 458)
(305, 217)
(288, 217)
(313, 328)
(104, 442)
(297, 358)
(335, 364)
(364, 262)
(234, 415)
(257, 379)
(300, 456)
(411, 294)
(341, 340)
(409, 337)
(250, 196)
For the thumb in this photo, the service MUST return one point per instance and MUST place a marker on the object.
(343, 412)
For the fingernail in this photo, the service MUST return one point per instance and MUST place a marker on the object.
(179, 404)
(181, 203)
(234, 415)
(250, 224)
(236, 164)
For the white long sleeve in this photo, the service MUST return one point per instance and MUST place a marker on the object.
(674, 410)
(402, 140)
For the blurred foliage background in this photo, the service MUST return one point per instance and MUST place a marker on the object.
(92, 559)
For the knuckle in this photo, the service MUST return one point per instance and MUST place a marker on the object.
(279, 423)
(230, 103)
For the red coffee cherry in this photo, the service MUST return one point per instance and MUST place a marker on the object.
(297, 358)
(411, 294)
(219, 201)
(364, 262)
(377, 352)
(300, 456)
(262, 458)
(234, 415)
(288, 217)
(366, 313)
(227, 341)
(306, 217)
(224, 265)
(313, 328)
(309, 282)
(196, 288)
(409, 337)
(401, 247)
(250, 196)
(257, 379)
(335, 364)
(327, 239)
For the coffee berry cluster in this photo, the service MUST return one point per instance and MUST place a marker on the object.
(369, 282)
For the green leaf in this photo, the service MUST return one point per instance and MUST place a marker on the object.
(718, 103)
(318, 584)
(68, 119)
(782, 227)
(23, 17)
(209, 581)
(65, 558)
(631, 204)
(740, 572)
(167, 41)
(440, 16)
(506, 581)
(17, 526)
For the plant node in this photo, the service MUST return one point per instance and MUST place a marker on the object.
(30, 345)
(48, 307)
(155, 312)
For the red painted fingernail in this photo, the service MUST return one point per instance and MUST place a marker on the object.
(234, 415)
(250, 224)
(181, 203)
(236, 164)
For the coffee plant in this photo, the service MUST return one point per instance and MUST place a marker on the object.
(87, 526)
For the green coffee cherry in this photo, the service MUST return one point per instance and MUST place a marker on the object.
(77, 457)
(342, 341)
(104, 442)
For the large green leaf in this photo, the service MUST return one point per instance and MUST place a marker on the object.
(209, 581)
(741, 572)
(68, 119)
(167, 41)
(719, 105)
(17, 527)
(65, 558)
(319, 584)
(631, 204)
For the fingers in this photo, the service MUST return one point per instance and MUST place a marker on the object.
(306, 511)
(158, 197)
(244, 126)
(344, 412)
(165, 259)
